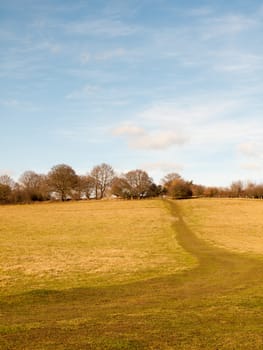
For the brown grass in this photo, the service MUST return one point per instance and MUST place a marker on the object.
(61, 245)
(216, 304)
(235, 224)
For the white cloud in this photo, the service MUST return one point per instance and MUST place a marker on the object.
(129, 130)
(202, 124)
(251, 149)
(158, 140)
(198, 70)
(140, 138)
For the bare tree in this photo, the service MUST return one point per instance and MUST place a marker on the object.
(34, 186)
(89, 186)
(139, 183)
(102, 176)
(5, 193)
(84, 187)
(63, 180)
(237, 188)
(120, 187)
(7, 180)
(30, 185)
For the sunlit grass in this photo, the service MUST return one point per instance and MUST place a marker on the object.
(235, 224)
(79, 244)
(112, 275)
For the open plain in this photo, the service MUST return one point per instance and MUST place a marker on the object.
(148, 274)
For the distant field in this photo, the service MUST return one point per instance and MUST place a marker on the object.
(235, 224)
(76, 244)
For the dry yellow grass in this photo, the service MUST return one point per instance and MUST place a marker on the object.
(235, 224)
(76, 244)
(216, 305)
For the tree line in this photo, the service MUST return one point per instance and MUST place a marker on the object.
(63, 183)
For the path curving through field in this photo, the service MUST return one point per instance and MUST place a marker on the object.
(218, 268)
(216, 305)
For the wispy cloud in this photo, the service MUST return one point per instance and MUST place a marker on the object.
(214, 43)
(83, 92)
(50, 46)
(201, 11)
(120, 8)
(19, 105)
(10, 103)
(238, 62)
(180, 82)
(102, 27)
(189, 111)
(232, 24)
(105, 55)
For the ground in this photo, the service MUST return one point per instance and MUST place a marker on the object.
(200, 295)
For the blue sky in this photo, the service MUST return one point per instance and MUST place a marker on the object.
(161, 85)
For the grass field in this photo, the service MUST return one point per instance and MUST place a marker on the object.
(79, 244)
(235, 224)
(131, 275)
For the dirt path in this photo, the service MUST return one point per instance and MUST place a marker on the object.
(217, 305)
(218, 268)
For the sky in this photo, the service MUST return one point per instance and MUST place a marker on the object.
(159, 85)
